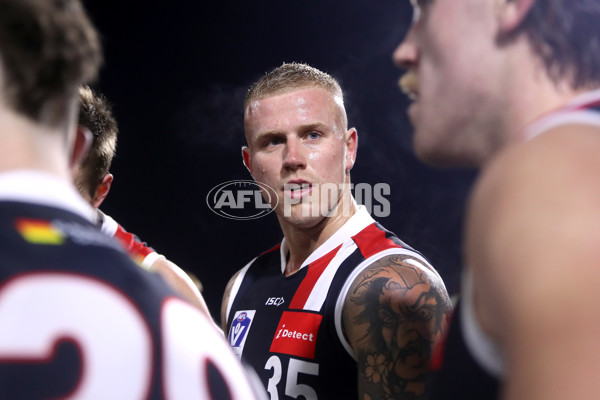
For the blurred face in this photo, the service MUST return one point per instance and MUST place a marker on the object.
(452, 76)
(299, 146)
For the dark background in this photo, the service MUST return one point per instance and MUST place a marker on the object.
(176, 72)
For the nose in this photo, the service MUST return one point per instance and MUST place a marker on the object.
(294, 157)
(406, 54)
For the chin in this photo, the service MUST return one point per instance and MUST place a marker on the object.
(436, 154)
(428, 154)
(300, 216)
(448, 160)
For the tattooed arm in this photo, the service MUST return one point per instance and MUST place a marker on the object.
(394, 314)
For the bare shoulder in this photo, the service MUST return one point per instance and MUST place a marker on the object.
(393, 316)
(399, 271)
(535, 195)
(225, 300)
(564, 150)
(533, 229)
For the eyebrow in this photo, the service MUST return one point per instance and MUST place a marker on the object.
(302, 128)
(313, 126)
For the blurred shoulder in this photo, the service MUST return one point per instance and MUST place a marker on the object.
(532, 217)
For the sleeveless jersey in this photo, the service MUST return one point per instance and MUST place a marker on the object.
(80, 320)
(470, 366)
(289, 328)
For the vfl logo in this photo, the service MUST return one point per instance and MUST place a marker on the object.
(242, 199)
(238, 332)
(275, 301)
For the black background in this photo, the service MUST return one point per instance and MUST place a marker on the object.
(176, 72)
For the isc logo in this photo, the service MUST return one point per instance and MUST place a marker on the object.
(274, 301)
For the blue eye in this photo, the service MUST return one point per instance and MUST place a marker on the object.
(274, 142)
(314, 135)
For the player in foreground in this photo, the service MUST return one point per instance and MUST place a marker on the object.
(511, 87)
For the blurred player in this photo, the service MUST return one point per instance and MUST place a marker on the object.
(78, 318)
(512, 87)
(93, 181)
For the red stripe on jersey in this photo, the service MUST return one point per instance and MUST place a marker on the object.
(132, 244)
(270, 250)
(591, 104)
(315, 269)
(372, 240)
(567, 107)
(437, 354)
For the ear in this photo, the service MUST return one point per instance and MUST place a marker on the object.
(102, 191)
(81, 146)
(512, 13)
(247, 157)
(351, 147)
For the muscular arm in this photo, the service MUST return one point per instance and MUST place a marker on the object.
(394, 314)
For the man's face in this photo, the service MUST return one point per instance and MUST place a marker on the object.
(449, 55)
(297, 143)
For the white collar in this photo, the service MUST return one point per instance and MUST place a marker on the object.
(28, 186)
(572, 112)
(583, 99)
(359, 221)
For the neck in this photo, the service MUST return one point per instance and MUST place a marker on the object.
(303, 241)
(27, 145)
(527, 95)
(536, 99)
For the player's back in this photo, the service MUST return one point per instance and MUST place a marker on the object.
(79, 319)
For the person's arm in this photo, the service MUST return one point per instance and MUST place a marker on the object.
(180, 281)
(225, 302)
(394, 315)
(148, 258)
(534, 244)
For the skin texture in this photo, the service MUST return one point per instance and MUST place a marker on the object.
(550, 220)
(297, 138)
(473, 94)
(433, 51)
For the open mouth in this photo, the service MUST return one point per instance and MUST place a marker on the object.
(409, 84)
(297, 190)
